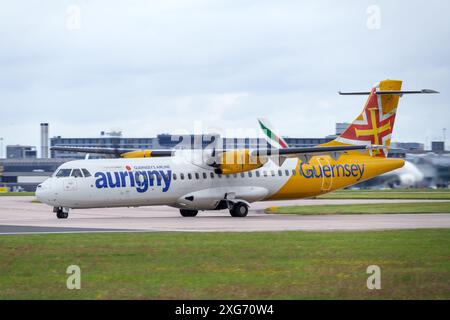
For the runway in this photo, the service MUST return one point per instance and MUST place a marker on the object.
(19, 215)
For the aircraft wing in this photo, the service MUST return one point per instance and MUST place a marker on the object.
(305, 150)
(242, 160)
(118, 152)
(90, 150)
(307, 153)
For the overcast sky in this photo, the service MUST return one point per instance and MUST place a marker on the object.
(147, 67)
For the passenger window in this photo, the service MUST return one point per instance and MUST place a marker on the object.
(220, 176)
(197, 176)
(234, 175)
(212, 175)
(272, 173)
(182, 176)
(227, 175)
(265, 173)
(249, 174)
(63, 173)
(174, 176)
(76, 173)
(86, 173)
(293, 172)
(257, 174)
(287, 173)
(205, 175)
(280, 173)
(189, 176)
(242, 174)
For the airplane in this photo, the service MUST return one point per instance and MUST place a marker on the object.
(216, 178)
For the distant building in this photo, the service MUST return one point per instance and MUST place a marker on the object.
(161, 141)
(168, 141)
(104, 141)
(396, 153)
(438, 146)
(26, 174)
(408, 146)
(341, 127)
(20, 152)
(44, 140)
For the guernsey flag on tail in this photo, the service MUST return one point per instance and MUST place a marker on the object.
(375, 124)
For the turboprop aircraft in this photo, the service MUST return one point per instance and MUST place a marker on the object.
(215, 179)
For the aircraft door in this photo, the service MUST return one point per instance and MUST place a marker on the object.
(327, 175)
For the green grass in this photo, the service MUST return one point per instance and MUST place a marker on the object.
(418, 207)
(8, 194)
(389, 194)
(415, 264)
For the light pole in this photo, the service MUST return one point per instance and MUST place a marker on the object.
(1, 147)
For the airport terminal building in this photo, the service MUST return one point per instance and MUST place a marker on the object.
(25, 174)
(168, 141)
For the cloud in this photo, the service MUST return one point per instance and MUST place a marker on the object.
(162, 66)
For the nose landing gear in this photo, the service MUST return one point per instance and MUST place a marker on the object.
(61, 213)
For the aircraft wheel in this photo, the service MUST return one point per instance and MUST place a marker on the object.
(188, 213)
(239, 210)
(60, 214)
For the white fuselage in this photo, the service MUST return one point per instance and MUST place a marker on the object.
(173, 181)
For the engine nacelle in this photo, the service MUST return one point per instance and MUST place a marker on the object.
(137, 154)
(237, 161)
(147, 153)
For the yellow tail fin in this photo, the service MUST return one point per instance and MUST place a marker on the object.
(375, 124)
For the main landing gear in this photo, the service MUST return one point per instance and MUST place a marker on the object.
(61, 213)
(239, 209)
(188, 213)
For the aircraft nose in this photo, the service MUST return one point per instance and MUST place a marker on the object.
(42, 191)
(39, 192)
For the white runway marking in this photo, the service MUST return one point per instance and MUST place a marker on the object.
(19, 215)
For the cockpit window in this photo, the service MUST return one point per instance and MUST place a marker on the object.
(86, 173)
(76, 173)
(63, 173)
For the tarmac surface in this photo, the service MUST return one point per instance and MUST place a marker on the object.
(19, 215)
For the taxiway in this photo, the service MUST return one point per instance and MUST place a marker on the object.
(20, 215)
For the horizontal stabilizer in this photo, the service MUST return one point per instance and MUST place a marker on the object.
(394, 92)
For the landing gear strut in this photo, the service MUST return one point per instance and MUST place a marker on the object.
(188, 213)
(61, 213)
(239, 209)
